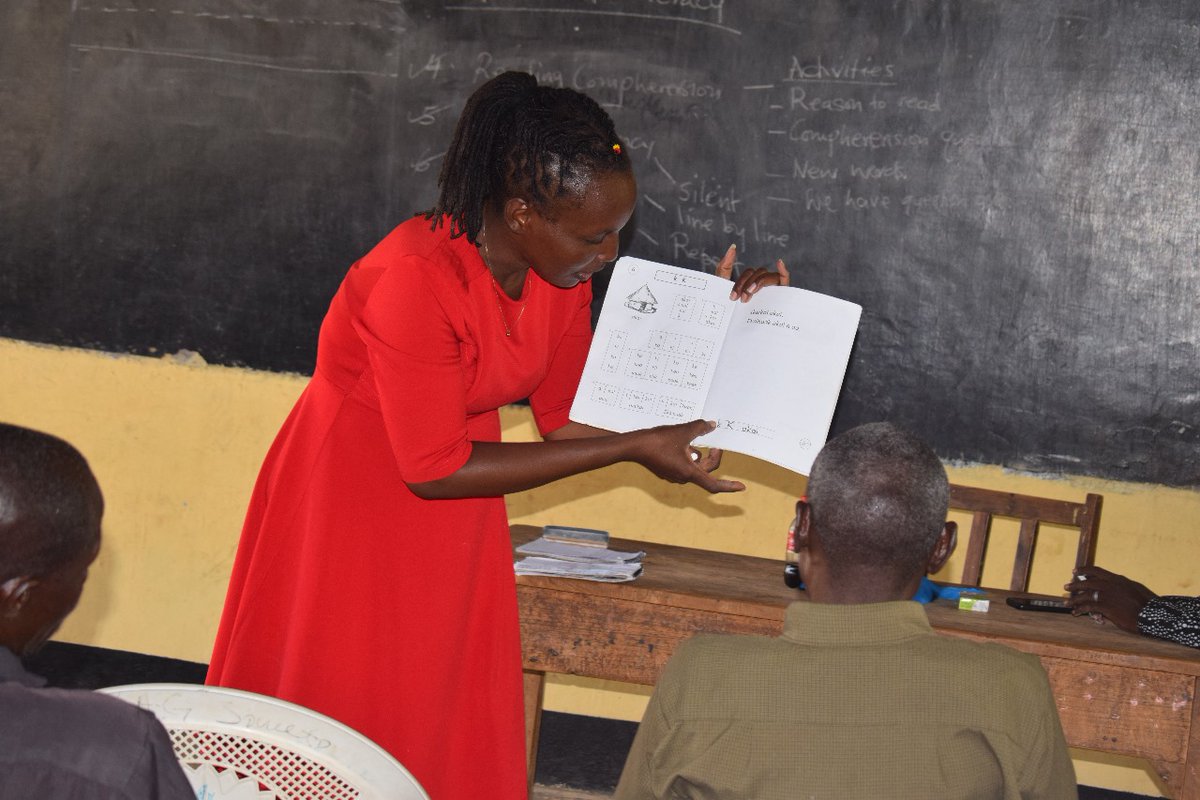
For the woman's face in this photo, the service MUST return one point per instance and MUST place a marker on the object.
(582, 237)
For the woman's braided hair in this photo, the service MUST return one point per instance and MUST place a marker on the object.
(518, 138)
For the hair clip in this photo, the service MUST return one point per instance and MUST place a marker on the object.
(617, 149)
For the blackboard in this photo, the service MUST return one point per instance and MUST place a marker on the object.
(1009, 189)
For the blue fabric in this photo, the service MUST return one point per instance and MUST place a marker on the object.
(929, 591)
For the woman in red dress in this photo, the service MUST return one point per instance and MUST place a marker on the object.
(374, 579)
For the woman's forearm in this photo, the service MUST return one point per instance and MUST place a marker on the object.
(575, 430)
(498, 468)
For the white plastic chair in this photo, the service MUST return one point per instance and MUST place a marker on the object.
(237, 745)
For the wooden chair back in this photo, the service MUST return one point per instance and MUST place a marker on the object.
(1031, 511)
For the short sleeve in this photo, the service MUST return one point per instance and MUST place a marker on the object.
(408, 329)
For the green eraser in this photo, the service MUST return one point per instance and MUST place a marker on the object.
(973, 604)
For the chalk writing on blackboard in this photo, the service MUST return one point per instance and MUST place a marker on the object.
(1005, 187)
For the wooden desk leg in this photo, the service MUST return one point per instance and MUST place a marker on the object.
(1190, 785)
(1170, 777)
(535, 683)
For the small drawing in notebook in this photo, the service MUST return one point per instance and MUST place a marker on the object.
(643, 300)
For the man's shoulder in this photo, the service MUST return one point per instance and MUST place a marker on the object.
(77, 743)
(987, 657)
(1006, 687)
(64, 715)
(55, 731)
(708, 646)
(710, 656)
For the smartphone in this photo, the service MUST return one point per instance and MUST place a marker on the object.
(1040, 604)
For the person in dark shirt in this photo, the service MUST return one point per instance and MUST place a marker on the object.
(59, 743)
(1132, 607)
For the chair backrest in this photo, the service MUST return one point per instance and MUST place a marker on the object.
(984, 504)
(235, 744)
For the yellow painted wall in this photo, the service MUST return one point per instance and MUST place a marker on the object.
(176, 445)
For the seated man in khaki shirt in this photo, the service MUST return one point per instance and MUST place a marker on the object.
(859, 698)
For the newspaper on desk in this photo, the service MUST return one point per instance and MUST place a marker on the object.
(563, 560)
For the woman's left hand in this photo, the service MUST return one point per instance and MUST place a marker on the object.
(1114, 597)
(752, 279)
(708, 460)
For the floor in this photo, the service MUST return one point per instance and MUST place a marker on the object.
(579, 758)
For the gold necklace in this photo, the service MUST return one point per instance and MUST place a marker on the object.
(487, 262)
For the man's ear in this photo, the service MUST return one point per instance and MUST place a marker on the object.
(14, 594)
(943, 548)
(803, 535)
(803, 539)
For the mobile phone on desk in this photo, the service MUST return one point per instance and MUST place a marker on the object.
(1056, 604)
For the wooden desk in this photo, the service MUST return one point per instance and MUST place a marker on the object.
(1116, 692)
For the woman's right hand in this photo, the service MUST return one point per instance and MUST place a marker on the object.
(667, 452)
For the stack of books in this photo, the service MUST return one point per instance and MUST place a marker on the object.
(592, 562)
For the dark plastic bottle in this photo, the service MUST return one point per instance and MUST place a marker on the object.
(791, 569)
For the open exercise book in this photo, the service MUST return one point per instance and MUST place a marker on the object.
(671, 347)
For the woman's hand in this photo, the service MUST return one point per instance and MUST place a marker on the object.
(1114, 597)
(667, 452)
(752, 279)
(709, 460)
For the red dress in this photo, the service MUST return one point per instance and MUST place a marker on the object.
(352, 596)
